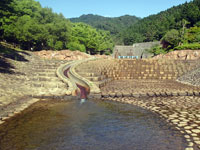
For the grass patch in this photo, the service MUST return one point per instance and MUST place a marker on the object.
(8, 49)
(192, 46)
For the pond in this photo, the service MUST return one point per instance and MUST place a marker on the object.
(93, 125)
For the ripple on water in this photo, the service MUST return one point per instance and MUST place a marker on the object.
(89, 126)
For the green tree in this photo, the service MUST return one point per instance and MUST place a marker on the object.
(171, 39)
(89, 39)
(76, 46)
(154, 27)
(32, 26)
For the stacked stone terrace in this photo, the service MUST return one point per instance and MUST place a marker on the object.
(95, 71)
(102, 71)
(150, 69)
(32, 79)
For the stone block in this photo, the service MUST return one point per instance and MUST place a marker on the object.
(168, 93)
(190, 93)
(151, 94)
(119, 95)
(143, 94)
(157, 94)
(112, 94)
(105, 95)
(196, 93)
(163, 94)
(136, 95)
(126, 94)
(174, 93)
(182, 93)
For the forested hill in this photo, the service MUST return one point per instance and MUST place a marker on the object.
(156, 26)
(27, 25)
(115, 25)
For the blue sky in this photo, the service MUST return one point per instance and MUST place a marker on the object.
(109, 8)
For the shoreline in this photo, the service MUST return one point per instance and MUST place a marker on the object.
(179, 119)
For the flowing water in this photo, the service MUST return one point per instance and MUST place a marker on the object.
(92, 125)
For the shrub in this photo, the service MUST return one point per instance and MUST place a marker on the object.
(58, 45)
(192, 46)
(172, 38)
(156, 50)
(76, 46)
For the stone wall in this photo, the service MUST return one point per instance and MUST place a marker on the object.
(103, 71)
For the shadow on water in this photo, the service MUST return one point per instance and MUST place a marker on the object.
(9, 53)
(89, 126)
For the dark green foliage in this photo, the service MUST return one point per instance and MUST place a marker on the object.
(192, 35)
(179, 40)
(171, 39)
(32, 27)
(114, 25)
(5, 10)
(155, 27)
(75, 45)
(26, 24)
(156, 50)
(85, 37)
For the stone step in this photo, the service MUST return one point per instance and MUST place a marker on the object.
(50, 85)
(96, 78)
(44, 74)
(103, 82)
(44, 78)
(89, 74)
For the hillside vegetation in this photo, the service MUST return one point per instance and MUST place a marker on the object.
(112, 24)
(29, 26)
(154, 27)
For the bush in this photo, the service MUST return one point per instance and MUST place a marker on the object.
(156, 50)
(58, 45)
(107, 53)
(192, 46)
(193, 35)
(76, 46)
(172, 38)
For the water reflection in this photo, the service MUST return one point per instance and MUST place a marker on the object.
(90, 126)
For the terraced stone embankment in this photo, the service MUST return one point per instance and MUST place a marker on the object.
(103, 71)
(152, 84)
(94, 71)
(30, 80)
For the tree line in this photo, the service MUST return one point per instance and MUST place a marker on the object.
(115, 25)
(126, 30)
(26, 24)
(29, 26)
(154, 27)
